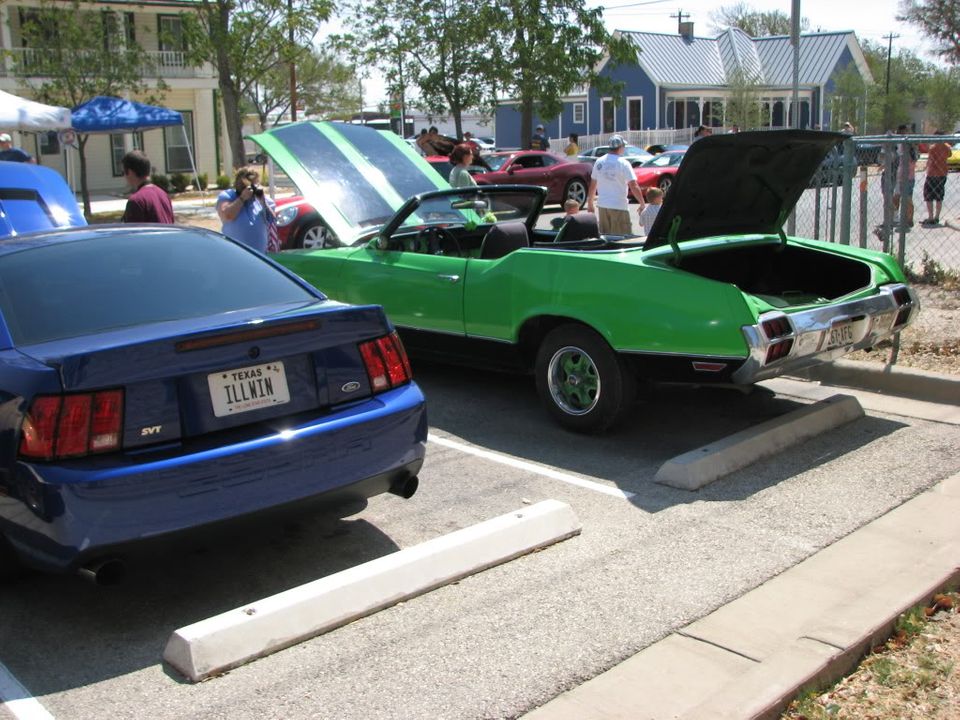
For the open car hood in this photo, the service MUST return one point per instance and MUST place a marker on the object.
(740, 183)
(356, 177)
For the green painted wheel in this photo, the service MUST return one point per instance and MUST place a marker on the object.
(581, 380)
(573, 380)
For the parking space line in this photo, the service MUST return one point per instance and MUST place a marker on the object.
(15, 698)
(532, 467)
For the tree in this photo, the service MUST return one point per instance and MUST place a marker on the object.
(848, 100)
(743, 103)
(540, 50)
(246, 40)
(81, 51)
(448, 66)
(755, 23)
(326, 86)
(939, 20)
(943, 100)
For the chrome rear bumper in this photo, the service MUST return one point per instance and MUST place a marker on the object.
(823, 334)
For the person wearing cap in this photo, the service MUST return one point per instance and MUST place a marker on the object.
(539, 141)
(12, 154)
(611, 178)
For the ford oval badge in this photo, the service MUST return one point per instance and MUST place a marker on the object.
(350, 387)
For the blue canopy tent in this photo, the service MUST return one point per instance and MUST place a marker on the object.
(116, 115)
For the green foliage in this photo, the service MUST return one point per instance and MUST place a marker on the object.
(743, 104)
(890, 103)
(179, 182)
(847, 101)
(161, 181)
(202, 181)
(755, 23)
(939, 20)
(942, 90)
(245, 40)
(327, 86)
(223, 182)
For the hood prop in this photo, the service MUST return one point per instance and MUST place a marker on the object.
(672, 238)
(781, 219)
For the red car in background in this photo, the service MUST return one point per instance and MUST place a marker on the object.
(563, 179)
(299, 226)
(658, 171)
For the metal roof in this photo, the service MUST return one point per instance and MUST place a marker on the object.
(673, 60)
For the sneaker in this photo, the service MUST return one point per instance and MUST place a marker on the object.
(929, 223)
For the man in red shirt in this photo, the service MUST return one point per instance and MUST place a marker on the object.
(935, 185)
(147, 203)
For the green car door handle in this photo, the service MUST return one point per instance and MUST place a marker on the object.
(450, 278)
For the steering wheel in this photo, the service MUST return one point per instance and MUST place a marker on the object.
(438, 240)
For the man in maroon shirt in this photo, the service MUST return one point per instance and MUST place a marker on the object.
(147, 203)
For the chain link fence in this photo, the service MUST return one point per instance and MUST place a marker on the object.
(864, 195)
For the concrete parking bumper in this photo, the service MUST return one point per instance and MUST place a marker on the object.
(219, 643)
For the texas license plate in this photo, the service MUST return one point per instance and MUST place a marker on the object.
(249, 388)
(841, 334)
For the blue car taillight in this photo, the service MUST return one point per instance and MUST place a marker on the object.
(386, 362)
(63, 426)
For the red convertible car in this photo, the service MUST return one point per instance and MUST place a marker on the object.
(563, 179)
(658, 171)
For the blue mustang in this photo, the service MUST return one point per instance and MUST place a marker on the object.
(157, 379)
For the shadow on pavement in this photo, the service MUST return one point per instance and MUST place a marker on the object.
(503, 413)
(62, 632)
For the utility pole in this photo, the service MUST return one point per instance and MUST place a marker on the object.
(890, 38)
(680, 16)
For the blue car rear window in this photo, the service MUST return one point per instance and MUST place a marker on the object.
(121, 278)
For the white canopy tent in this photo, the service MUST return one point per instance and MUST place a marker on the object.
(17, 113)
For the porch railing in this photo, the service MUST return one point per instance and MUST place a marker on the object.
(33, 62)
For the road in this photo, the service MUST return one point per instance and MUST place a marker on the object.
(650, 559)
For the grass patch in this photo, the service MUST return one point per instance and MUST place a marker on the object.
(932, 272)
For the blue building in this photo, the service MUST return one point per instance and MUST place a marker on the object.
(681, 81)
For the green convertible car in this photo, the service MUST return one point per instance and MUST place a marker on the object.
(716, 294)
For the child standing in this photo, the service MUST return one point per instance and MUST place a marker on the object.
(649, 213)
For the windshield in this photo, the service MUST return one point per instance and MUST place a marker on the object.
(663, 160)
(473, 207)
(496, 161)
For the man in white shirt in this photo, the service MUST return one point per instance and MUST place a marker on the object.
(610, 180)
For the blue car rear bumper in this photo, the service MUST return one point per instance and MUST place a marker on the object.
(66, 514)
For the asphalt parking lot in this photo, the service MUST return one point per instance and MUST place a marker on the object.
(649, 560)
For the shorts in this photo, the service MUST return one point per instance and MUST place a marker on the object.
(615, 222)
(934, 188)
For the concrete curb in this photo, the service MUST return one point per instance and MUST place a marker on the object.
(225, 641)
(804, 628)
(703, 465)
(889, 379)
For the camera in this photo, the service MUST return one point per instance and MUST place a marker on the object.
(257, 190)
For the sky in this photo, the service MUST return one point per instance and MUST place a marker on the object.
(655, 16)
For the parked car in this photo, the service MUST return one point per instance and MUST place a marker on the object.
(487, 143)
(659, 171)
(299, 225)
(716, 294)
(563, 178)
(34, 197)
(632, 153)
(159, 379)
(657, 149)
(953, 162)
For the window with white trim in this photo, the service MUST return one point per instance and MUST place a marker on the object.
(175, 144)
(579, 112)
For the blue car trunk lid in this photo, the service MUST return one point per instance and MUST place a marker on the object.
(200, 378)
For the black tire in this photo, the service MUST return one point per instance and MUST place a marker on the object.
(581, 380)
(665, 182)
(575, 189)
